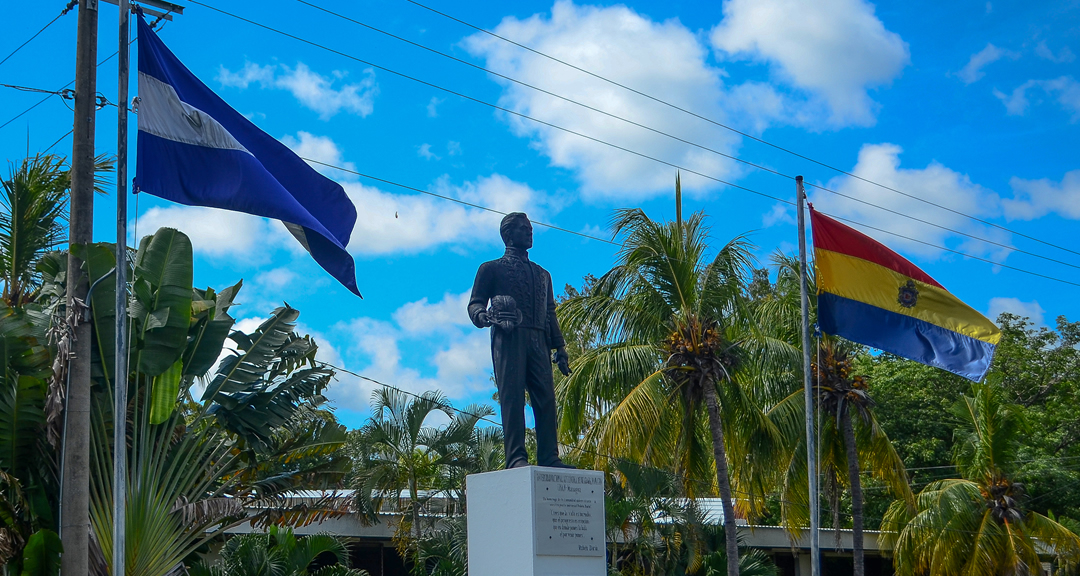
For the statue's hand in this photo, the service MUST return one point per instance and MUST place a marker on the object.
(561, 359)
(484, 320)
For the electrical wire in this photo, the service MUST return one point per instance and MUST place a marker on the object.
(579, 134)
(485, 103)
(64, 87)
(66, 9)
(58, 140)
(741, 133)
(64, 93)
(988, 261)
(462, 202)
(591, 237)
(677, 138)
(700, 483)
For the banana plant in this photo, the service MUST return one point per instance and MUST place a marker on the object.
(197, 469)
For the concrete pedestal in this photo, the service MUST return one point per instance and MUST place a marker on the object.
(536, 521)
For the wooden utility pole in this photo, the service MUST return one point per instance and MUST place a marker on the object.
(120, 372)
(808, 390)
(75, 496)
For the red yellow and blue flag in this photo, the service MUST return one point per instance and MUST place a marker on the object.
(871, 295)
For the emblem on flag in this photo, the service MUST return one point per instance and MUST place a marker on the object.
(909, 295)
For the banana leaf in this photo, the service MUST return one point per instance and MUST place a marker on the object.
(161, 300)
(210, 326)
(41, 556)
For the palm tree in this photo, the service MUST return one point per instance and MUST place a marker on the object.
(671, 328)
(977, 524)
(32, 222)
(396, 452)
(847, 443)
(842, 394)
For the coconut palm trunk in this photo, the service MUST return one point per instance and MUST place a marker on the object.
(856, 491)
(720, 455)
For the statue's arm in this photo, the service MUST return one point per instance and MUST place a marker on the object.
(481, 293)
(555, 336)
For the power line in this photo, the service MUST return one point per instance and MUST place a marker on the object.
(64, 87)
(692, 481)
(674, 137)
(64, 93)
(988, 261)
(66, 9)
(700, 483)
(462, 202)
(585, 136)
(739, 132)
(485, 103)
(854, 222)
(571, 132)
(58, 140)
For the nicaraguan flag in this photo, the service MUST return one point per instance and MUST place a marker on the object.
(871, 295)
(194, 149)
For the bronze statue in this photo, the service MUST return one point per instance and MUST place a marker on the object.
(524, 330)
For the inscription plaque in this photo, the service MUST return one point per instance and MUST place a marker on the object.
(569, 512)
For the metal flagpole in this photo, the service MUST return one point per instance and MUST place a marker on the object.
(811, 447)
(120, 371)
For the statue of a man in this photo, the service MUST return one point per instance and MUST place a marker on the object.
(524, 330)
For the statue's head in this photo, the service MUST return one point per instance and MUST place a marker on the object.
(516, 230)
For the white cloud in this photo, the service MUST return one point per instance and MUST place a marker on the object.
(1062, 57)
(1016, 306)
(316, 92)
(312, 89)
(595, 231)
(321, 149)
(663, 59)
(835, 49)
(424, 151)
(422, 317)
(1066, 90)
(1036, 198)
(881, 163)
(453, 148)
(276, 278)
(466, 360)
(459, 355)
(388, 223)
(433, 106)
(973, 71)
(219, 234)
(778, 214)
(250, 73)
(413, 223)
(1016, 103)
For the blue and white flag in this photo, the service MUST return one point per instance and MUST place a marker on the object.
(194, 149)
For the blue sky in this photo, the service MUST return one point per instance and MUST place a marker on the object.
(971, 105)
